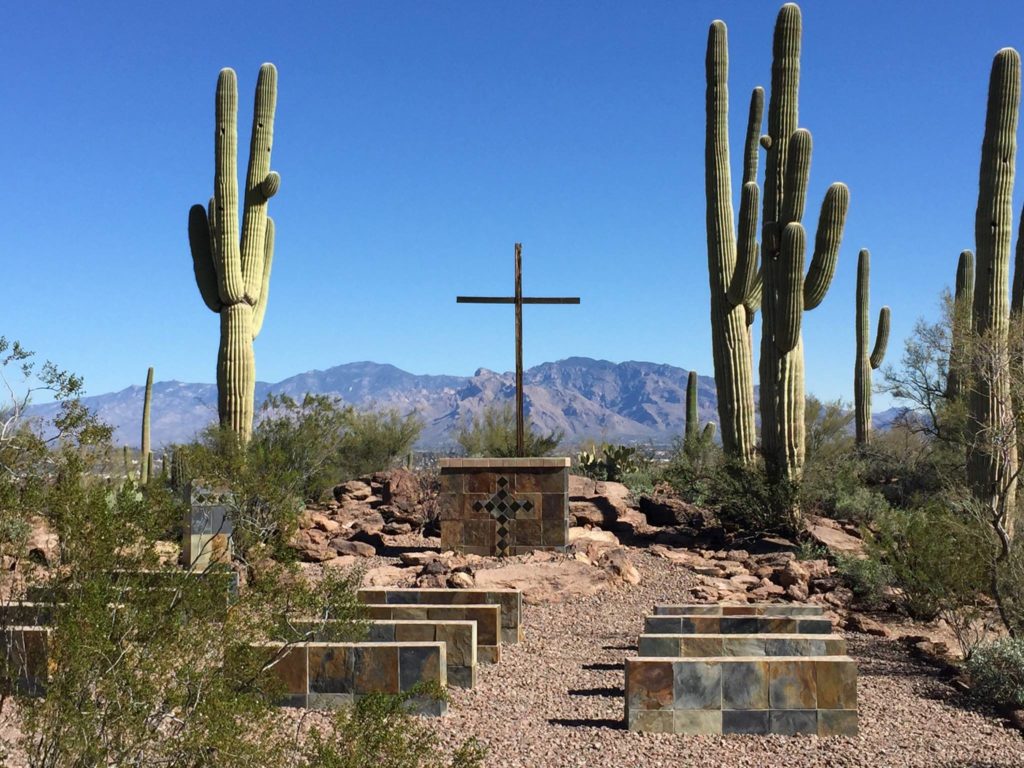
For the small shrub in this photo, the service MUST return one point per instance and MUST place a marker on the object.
(997, 673)
(493, 434)
(866, 577)
(861, 505)
(746, 500)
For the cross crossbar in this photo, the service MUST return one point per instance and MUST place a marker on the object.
(512, 300)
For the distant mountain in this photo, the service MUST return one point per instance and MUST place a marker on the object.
(598, 399)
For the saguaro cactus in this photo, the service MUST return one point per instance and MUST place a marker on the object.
(732, 256)
(694, 437)
(233, 274)
(144, 471)
(992, 446)
(963, 324)
(865, 363)
(786, 292)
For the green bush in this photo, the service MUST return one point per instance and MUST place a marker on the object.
(493, 434)
(745, 499)
(866, 577)
(997, 673)
(614, 463)
(938, 559)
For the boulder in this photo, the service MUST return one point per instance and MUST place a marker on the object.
(600, 503)
(829, 534)
(665, 510)
(323, 522)
(616, 561)
(548, 582)
(858, 622)
(399, 487)
(312, 545)
(354, 548)
(355, 490)
(386, 576)
(461, 580)
(792, 573)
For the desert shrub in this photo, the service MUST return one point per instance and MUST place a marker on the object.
(493, 433)
(745, 499)
(938, 559)
(375, 440)
(860, 504)
(997, 673)
(378, 733)
(692, 468)
(866, 577)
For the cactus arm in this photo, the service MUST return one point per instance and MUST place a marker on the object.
(965, 285)
(202, 259)
(225, 186)
(754, 118)
(268, 259)
(753, 302)
(790, 281)
(709, 432)
(881, 338)
(798, 170)
(783, 117)
(963, 301)
(829, 235)
(260, 183)
(1017, 300)
(745, 274)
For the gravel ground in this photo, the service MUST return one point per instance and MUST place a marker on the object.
(557, 700)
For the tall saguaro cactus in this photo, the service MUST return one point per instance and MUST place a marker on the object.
(992, 446)
(233, 274)
(786, 292)
(963, 324)
(147, 403)
(732, 255)
(866, 363)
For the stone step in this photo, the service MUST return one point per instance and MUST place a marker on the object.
(738, 609)
(736, 625)
(459, 638)
(486, 617)
(690, 646)
(331, 675)
(743, 694)
(510, 600)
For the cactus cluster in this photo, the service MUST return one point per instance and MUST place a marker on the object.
(781, 289)
(866, 363)
(232, 272)
(992, 445)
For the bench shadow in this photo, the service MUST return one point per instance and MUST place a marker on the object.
(605, 666)
(584, 722)
(610, 692)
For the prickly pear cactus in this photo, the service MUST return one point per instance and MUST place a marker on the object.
(866, 363)
(233, 274)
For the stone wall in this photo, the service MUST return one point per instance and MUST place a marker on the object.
(735, 625)
(685, 646)
(504, 506)
(510, 600)
(487, 618)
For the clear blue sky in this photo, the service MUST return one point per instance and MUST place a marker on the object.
(417, 141)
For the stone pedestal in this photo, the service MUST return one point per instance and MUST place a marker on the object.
(504, 506)
(208, 527)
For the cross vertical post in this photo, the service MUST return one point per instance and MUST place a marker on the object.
(518, 300)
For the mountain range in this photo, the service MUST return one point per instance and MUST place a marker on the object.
(586, 398)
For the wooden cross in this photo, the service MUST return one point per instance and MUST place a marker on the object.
(518, 300)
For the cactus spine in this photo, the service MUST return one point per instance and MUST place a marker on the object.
(866, 363)
(233, 274)
(786, 292)
(146, 458)
(992, 444)
(963, 309)
(732, 256)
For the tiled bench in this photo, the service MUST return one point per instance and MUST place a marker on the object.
(36, 614)
(689, 646)
(510, 600)
(330, 675)
(738, 609)
(486, 617)
(782, 695)
(736, 625)
(459, 638)
(24, 662)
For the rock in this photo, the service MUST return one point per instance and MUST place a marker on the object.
(352, 547)
(594, 534)
(435, 568)
(792, 573)
(797, 591)
(432, 581)
(399, 487)
(386, 576)
(817, 569)
(1016, 719)
(605, 504)
(827, 584)
(616, 561)
(588, 513)
(745, 581)
(396, 529)
(167, 552)
(43, 544)
(771, 588)
(312, 545)
(547, 582)
(342, 561)
(369, 523)
(356, 490)
(858, 622)
(461, 580)
(417, 558)
(828, 533)
(664, 510)
(323, 522)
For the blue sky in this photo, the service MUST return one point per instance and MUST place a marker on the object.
(417, 141)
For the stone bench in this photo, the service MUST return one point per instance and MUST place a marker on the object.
(719, 695)
(736, 625)
(330, 675)
(738, 609)
(688, 646)
(459, 638)
(486, 617)
(24, 660)
(27, 613)
(510, 600)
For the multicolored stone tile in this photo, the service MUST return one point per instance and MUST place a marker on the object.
(792, 684)
(697, 684)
